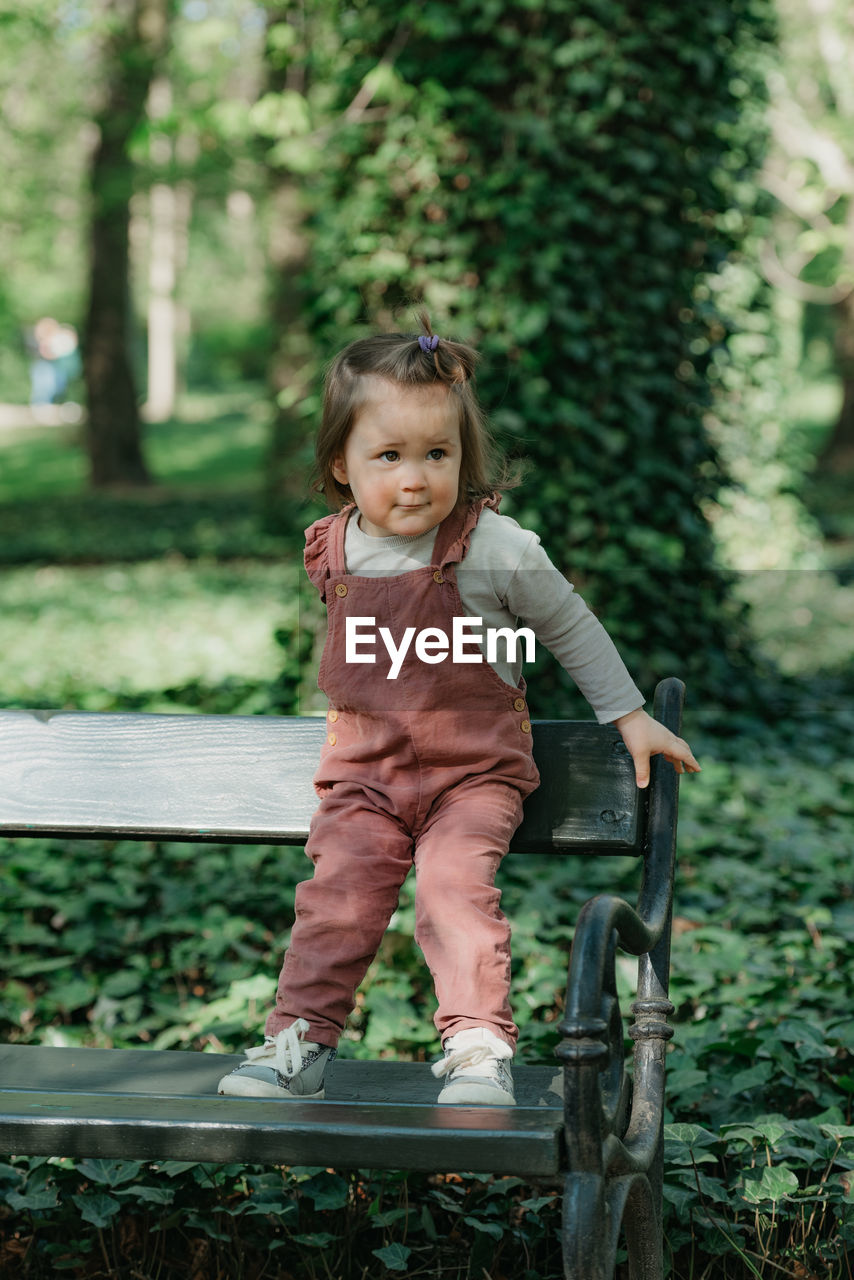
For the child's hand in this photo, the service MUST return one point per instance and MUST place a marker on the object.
(645, 737)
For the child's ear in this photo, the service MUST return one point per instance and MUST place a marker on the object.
(339, 470)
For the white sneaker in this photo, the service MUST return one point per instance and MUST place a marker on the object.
(284, 1066)
(477, 1065)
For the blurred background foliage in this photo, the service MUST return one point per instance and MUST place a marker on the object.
(642, 214)
(643, 219)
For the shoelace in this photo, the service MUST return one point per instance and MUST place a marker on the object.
(466, 1057)
(284, 1049)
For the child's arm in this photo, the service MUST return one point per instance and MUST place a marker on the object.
(645, 737)
(524, 581)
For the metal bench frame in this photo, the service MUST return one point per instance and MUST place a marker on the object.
(231, 779)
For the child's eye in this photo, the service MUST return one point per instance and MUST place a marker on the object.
(436, 455)
(390, 455)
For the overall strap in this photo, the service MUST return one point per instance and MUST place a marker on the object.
(454, 533)
(336, 559)
(324, 549)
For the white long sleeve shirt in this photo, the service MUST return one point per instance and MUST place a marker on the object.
(506, 579)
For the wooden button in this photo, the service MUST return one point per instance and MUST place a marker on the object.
(332, 739)
(519, 704)
(438, 576)
(341, 589)
(525, 726)
(333, 716)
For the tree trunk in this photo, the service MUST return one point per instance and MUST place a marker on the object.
(162, 254)
(162, 311)
(838, 453)
(290, 455)
(138, 34)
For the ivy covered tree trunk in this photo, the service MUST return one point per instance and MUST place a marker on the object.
(136, 32)
(557, 183)
(308, 52)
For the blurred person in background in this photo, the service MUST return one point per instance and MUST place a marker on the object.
(54, 361)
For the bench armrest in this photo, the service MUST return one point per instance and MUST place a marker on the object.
(613, 1126)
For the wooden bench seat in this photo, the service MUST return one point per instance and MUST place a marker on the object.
(47, 1101)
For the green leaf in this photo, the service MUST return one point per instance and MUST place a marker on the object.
(740, 1133)
(770, 1130)
(536, 1203)
(387, 1217)
(149, 1195)
(428, 1226)
(772, 1184)
(173, 1168)
(316, 1239)
(33, 1200)
(686, 1078)
(97, 1208)
(395, 1256)
(682, 1198)
(687, 1144)
(111, 1173)
(693, 1135)
(328, 1191)
(841, 1131)
(208, 1224)
(494, 1229)
(758, 1074)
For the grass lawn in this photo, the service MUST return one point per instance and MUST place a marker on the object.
(99, 635)
(219, 442)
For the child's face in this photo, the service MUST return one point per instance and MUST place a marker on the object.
(402, 458)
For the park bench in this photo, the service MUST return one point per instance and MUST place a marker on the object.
(233, 779)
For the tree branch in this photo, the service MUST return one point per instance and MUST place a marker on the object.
(800, 139)
(358, 106)
(779, 276)
(834, 49)
(790, 196)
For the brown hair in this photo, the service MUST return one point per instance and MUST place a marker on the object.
(400, 358)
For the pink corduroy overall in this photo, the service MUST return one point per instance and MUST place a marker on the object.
(429, 768)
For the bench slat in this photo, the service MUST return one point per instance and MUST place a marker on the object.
(161, 1072)
(161, 1105)
(248, 779)
(430, 1139)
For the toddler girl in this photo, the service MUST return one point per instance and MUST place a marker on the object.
(428, 754)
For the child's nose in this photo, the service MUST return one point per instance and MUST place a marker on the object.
(412, 477)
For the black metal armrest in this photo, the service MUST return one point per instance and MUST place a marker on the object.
(613, 1124)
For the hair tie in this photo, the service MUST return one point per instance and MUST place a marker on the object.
(428, 343)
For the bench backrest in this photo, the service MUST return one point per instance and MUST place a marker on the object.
(247, 779)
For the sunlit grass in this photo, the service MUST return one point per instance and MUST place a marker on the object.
(81, 636)
(41, 462)
(216, 441)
